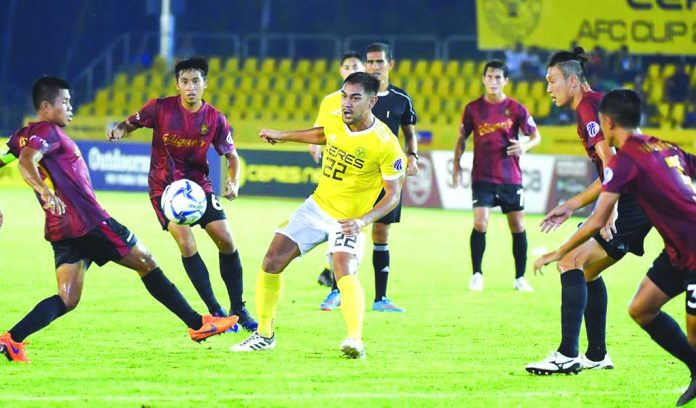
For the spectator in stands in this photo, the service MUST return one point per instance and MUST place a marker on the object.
(677, 85)
(596, 63)
(514, 59)
(532, 68)
(623, 65)
(690, 117)
(650, 114)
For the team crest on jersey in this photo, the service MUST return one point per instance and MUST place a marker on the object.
(360, 153)
(512, 20)
(592, 129)
(608, 175)
(204, 129)
(398, 164)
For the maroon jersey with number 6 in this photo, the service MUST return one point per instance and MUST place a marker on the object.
(180, 141)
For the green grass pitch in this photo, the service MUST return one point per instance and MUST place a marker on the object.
(452, 347)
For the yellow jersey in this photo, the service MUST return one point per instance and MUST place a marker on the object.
(354, 165)
(330, 107)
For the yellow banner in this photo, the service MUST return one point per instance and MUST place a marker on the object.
(645, 26)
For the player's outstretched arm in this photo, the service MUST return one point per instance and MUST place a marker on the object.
(311, 136)
(392, 193)
(562, 212)
(232, 183)
(28, 159)
(595, 222)
(119, 131)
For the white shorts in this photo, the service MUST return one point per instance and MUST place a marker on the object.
(310, 226)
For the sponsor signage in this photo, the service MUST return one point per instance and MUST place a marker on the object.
(278, 173)
(125, 166)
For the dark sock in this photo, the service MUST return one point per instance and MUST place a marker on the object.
(519, 251)
(380, 262)
(596, 319)
(167, 294)
(41, 316)
(231, 272)
(667, 333)
(335, 284)
(198, 274)
(573, 301)
(478, 246)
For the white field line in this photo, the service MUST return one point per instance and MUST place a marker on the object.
(314, 396)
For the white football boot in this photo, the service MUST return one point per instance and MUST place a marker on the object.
(476, 282)
(522, 285)
(556, 363)
(605, 364)
(353, 348)
(255, 342)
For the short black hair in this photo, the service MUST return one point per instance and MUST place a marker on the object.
(193, 63)
(570, 63)
(380, 47)
(47, 89)
(496, 64)
(351, 54)
(369, 82)
(623, 106)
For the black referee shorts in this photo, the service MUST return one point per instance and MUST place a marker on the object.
(393, 216)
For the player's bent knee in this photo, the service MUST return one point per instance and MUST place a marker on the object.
(225, 245)
(272, 264)
(70, 301)
(640, 314)
(480, 225)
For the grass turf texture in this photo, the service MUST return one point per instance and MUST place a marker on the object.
(451, 348)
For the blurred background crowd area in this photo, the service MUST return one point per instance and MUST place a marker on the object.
(272, 61)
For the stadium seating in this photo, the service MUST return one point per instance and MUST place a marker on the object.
(273, 89)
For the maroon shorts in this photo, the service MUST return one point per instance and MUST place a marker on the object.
(108, 241)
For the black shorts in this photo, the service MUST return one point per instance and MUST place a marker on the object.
(393, 216)
(108, 241)
(674, 281)
(510, 197)
(631, 228)
(213, 211)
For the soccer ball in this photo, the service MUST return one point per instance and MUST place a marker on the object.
(183, 202)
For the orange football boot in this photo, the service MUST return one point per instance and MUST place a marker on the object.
(212, 326)
(13, 350)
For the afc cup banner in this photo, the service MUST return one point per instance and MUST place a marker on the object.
(645, 26)
(125, 166)
(277, 173)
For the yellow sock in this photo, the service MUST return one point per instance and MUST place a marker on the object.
(269, 288)
(352, 305)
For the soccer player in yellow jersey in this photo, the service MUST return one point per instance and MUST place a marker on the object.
(361, 158)
(331, 106)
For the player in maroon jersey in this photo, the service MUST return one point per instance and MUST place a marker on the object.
(659, 175)
(78, 228)
(183, 129)
(496, 120)
(582, 287)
